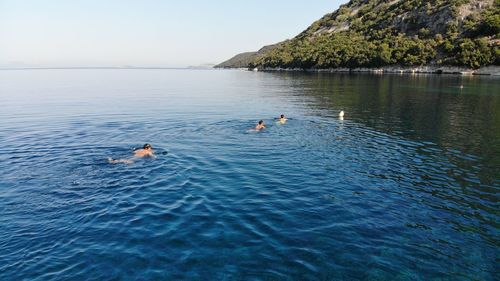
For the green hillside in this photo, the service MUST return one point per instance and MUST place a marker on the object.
(243, 60)
(374, 33)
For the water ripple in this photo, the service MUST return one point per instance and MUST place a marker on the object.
(372, 197)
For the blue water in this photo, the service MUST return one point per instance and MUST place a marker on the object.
(404, 188)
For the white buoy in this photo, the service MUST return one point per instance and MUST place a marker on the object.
(341, 114)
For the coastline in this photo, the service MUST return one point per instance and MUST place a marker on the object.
(491, 70)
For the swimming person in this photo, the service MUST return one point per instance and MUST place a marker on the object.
(282, 119)
(145, 151)
(260, 126)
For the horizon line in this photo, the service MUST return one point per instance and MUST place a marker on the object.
(105, 67)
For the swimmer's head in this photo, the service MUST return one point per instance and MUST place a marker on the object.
(147, 146)
(282, 115)
(260, 122)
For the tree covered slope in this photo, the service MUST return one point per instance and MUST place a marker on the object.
(374, 33)
(243, 60)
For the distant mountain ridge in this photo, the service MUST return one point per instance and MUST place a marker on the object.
(377, 33)
(243, 60)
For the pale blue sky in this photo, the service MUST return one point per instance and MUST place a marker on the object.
(171, 33)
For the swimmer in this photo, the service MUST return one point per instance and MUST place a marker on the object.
(282, 119)
(145, 151)
(260, 126)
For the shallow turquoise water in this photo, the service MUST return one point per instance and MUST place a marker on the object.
(404, 188)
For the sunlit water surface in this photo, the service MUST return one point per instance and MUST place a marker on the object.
(404, 188)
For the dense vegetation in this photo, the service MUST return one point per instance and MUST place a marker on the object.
(373, 33)
(243, 60)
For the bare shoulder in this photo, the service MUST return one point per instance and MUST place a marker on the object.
(140, 152)
(143, 153)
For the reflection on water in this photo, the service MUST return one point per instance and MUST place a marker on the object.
(425, 107)
(405, 187)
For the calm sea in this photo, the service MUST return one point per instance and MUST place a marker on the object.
(406, 187)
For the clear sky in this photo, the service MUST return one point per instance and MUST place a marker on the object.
(172, 33)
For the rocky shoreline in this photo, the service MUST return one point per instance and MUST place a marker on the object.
(488, 70)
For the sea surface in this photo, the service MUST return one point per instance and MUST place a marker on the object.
(405, 187)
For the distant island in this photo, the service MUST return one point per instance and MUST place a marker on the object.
(445, 35)
(202, 66)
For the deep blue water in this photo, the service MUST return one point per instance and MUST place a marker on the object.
(406, 187)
